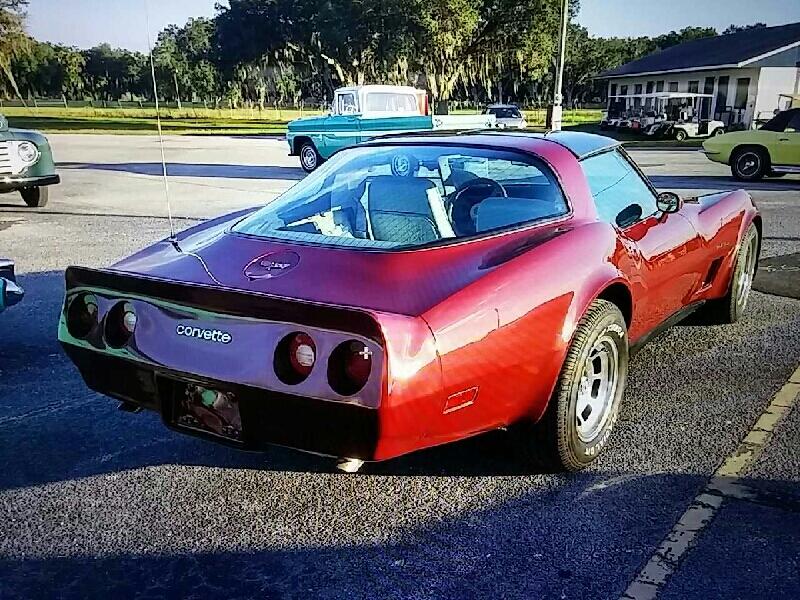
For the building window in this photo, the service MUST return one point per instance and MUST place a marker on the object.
(623, 90)
(673, 86)
(694, 87)
(659, 87)
(613, 91)
(705, 106)
(742, 87)
(650, 85)
(637, 89)
(637, 101)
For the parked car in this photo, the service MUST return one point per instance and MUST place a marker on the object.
(508, 116)
(26, 164)
(413, 291)
(773, 150)
(361, 113)
(10, 291)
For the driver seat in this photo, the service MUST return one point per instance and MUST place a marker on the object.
(399, 210)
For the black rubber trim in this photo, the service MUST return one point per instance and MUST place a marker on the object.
(229, 301)
(268, 418)
(662, 327)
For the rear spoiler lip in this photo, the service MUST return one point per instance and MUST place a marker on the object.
(230, 301)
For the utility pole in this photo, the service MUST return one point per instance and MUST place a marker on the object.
(554, 113)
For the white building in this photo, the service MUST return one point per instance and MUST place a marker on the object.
(749, 74)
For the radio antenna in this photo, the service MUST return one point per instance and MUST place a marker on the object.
(158, 124)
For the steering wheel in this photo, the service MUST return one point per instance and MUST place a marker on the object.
(467, 197)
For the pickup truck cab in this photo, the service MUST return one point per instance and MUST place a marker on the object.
(360, 113)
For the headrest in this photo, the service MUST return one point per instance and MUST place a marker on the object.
(400, 194)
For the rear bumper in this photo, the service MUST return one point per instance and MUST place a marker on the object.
(319, 426)
(9, 183)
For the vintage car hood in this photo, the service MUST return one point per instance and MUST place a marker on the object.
(306, 123)
(401, 282)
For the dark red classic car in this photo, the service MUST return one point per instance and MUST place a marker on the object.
(414, 291)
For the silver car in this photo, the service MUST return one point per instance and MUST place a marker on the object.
(508, 116)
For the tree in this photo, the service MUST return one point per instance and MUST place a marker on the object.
(13, 40)
(737, 28)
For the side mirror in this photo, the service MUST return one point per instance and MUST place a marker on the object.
(669, 202)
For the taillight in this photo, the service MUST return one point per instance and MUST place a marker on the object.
(295, 357)
(82, 315)
(120, 324)
(349, 367)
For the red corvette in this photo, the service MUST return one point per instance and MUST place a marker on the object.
(415, 291)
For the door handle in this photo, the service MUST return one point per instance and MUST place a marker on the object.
(783, 139)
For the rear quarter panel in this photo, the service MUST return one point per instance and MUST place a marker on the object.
(502, 340)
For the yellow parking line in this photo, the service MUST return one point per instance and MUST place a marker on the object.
(723, 484)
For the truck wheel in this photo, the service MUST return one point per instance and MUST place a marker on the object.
(718, 131)
(730, 307)
(309, 157)
(680, 135)
(35, 196)
(583, 410)
(749, 164)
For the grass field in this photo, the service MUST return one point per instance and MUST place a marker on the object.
(243, 121)
(196, 121)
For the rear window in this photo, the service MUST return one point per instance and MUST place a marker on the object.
(505, 112)
(391, 102)
(410, 196)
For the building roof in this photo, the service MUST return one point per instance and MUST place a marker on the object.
(732, 50)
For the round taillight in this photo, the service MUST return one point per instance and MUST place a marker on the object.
(82, 315)
(295, 357)
(349, 367)
(120, 324)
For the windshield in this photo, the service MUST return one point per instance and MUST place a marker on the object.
(505, 112)
(780, 122)
(406, 196)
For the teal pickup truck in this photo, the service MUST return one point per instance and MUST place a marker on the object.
(363, 112)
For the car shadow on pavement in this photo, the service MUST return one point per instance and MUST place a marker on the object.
(222, 171)
(721, 183)
(543, 542)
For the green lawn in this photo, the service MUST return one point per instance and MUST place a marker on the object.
(243, 121)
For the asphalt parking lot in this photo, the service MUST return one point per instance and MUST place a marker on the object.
(94, 501)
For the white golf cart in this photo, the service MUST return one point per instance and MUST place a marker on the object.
(683, 117)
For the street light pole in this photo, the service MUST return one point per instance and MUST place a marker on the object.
(554, 114)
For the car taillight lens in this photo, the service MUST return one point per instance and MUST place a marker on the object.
(120, 324)
(82, 315)
(295, 357)
(349, 367)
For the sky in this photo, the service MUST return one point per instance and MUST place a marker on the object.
(86, 23)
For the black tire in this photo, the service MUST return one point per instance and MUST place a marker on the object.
(681, 135)
(35, 197)
(729, 308)
(717, 131)
(555, 442)
(310, 159)
(749, 164)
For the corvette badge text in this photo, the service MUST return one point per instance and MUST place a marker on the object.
(209, 335)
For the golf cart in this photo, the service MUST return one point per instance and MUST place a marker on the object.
(683, 117)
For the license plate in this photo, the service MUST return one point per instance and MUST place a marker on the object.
(209, 411)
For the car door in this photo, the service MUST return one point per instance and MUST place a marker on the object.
(340, 131)
(665, 266)
(785, 150)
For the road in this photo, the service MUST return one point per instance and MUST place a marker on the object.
(95, 501)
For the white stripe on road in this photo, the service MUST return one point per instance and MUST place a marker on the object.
(723, 484)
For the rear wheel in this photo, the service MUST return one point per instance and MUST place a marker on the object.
(749, 164)
(717, 131)
(35, 196)
(309, 157)
(729, 308)
(583, 410)
(681, 135)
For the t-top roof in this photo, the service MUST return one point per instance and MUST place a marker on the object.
(732, 50)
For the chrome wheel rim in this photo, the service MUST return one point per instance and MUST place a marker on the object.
(748, 164)
(308, 157)
(597, 389)
(748, 272)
